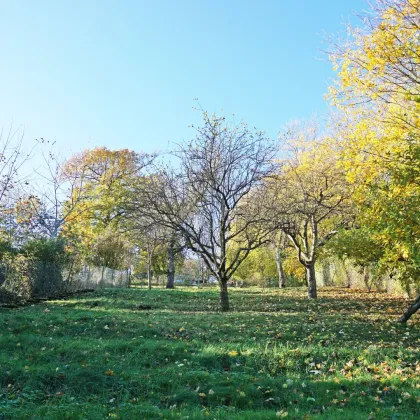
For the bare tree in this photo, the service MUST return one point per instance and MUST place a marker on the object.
(12, 158)
(52, 201)
(213, 199)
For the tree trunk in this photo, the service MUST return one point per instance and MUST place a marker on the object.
(171, 267)
(67, 281)
(311, 280)
(224, 297)
(281, 273)
(348, 275)
(366, 277)
(410, 311)
(326, 274)
(150, 253)
(149, 278)
(149, 271)
(102, 274)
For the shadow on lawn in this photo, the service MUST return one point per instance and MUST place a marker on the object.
(331, 300)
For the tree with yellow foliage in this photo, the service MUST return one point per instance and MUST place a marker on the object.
(109, 179)
(378, 90)
(313, 197)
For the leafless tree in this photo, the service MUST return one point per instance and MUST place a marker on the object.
(12, 157)
(54, 198)
(214, 197)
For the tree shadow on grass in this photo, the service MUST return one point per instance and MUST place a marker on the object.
(335, 301)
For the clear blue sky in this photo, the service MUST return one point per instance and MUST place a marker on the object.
(124, 73)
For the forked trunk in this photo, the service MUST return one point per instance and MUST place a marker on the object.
(224, 297)
(410, 311)
(171, 267)
(311, 280)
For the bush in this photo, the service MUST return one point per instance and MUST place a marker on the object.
(35, 269)
(6, 250)
(16, 272)
(46, 250)
(48, 258)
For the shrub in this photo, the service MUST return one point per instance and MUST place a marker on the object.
(16, 271)
(48, 258)
(46, 250)
(35, 269)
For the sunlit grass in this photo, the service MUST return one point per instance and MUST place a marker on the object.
(274, 355)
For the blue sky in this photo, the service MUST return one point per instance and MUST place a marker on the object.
(124, 74)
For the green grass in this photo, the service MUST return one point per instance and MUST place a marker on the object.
(275, 355)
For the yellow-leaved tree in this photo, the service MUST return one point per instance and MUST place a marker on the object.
(313, 196)
(378, 90)
(100, 224)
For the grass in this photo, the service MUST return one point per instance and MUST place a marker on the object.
(276, 355)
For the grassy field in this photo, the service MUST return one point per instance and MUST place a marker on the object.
(276, 355)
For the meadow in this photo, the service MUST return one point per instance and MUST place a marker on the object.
(170, 354)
